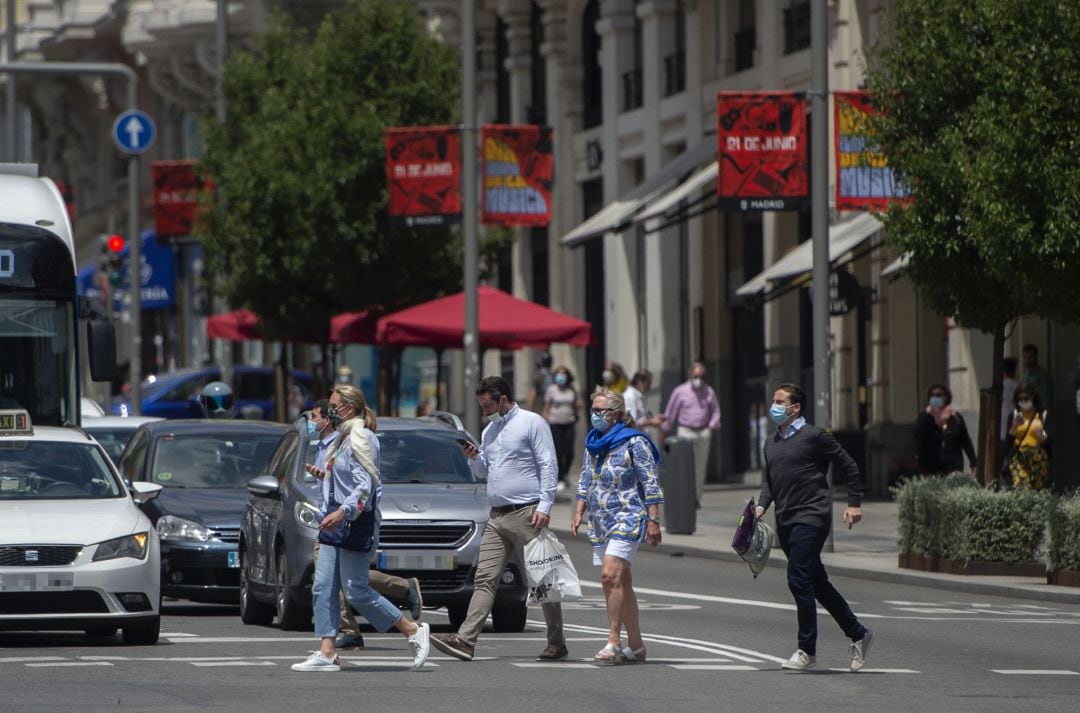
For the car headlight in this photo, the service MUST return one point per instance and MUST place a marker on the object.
(171, 527)
(307, 515)
(134, 546)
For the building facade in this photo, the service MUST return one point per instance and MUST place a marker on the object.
(637, 245)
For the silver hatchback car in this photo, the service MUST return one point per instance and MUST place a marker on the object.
(433, 514)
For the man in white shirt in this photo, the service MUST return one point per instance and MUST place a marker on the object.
(517, 456)
(634, 397)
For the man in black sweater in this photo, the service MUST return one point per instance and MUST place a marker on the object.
(797, 459)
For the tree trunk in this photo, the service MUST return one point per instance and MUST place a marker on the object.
(988, 444)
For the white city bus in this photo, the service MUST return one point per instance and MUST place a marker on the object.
(39, 307)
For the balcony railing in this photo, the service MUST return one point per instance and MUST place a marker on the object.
(674, 73)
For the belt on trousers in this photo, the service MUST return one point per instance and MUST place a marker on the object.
(504, 509)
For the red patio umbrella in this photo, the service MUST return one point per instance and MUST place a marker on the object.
(236, 326)
(506, 322)
(354, 327)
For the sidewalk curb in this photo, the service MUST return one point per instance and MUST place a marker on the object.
(954, 583)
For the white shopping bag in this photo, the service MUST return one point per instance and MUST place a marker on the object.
(551, 574)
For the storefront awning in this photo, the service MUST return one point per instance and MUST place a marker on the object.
(704, 178)
(894, 267)
(843, 238)
(619, 215)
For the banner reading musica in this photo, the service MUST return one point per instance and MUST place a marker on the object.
(518, 173)
(864, 180)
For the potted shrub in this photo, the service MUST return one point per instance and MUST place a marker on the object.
(1065, 541)
(993, 532)
(922, 524)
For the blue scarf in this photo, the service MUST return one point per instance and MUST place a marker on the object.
(599, 444)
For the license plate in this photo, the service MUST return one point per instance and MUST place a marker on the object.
(234, 559)
(37, 582)
(415, 560)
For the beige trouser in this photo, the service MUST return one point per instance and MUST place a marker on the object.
(702, 439)
(503, 535)
(393, 588)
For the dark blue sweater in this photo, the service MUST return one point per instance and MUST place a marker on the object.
(796, 477)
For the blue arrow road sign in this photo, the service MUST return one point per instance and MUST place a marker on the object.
(133, 131)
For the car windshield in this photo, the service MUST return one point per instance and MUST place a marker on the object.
(423, 456)
(112, 439)
(41, 470)
(210, 461)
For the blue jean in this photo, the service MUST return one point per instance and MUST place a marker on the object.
(808, 583)
(347, 570)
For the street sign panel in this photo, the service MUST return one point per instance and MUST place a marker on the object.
(133, 131)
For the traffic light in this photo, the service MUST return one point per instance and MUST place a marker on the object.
(112, 248)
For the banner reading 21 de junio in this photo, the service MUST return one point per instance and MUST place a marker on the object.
(762, 151)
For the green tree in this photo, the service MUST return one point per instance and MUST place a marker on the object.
(302, 231)
(980, 116)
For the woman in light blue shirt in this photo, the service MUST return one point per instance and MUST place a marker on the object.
(620, 492)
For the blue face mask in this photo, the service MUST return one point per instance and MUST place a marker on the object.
(311, 428)
(936, 402)
(560, 379)
(778, 413)
(599, 422)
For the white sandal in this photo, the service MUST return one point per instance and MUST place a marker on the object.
(609, 655)
(633, 655)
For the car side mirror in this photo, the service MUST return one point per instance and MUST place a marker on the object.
(143, 492)
(264, 486)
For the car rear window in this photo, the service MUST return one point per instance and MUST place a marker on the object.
(210, 461)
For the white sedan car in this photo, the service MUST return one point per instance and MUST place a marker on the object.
(76, 553)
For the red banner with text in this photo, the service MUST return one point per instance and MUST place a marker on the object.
(423, 174)
(518, 173)
(178, 186)
(864, 180)
(762, 151)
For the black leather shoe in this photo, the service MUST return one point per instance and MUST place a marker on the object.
(414, 599)
(350, 641)
(553, 652)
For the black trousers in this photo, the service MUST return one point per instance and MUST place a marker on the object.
(563, 436)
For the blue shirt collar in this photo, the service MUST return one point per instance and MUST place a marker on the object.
(793, 428)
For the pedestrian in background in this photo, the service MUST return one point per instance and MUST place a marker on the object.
(517, 458)
(694, 410)
(541, 382)
(619, 491)
(797, 459)
(561, 408)
(1029, 463)
(352, 472)
(1036, 376)
(613, 378)
(634, 397)
(396, 589)
(941, 435)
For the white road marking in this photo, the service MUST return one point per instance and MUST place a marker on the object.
(25, 659)
(712, 667)
(555, 664)
(875, 670)
(70, 663)
(175, 635)
(246, 639)
(735, 652)
(1034, 672)
(232, 663)
(105, 658)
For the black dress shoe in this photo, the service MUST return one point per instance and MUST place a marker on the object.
(350, 641)
(414, 599)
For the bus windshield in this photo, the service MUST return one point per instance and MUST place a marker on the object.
(38, 349)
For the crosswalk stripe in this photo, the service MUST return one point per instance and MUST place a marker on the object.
(69, 663)
(552, 664)
(875, 670)
(712, 667)
(231, 663)
(1035, 672)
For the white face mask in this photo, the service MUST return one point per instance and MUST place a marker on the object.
(1027, 405)
(696, 382)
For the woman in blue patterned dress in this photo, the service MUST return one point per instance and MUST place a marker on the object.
(620, 493)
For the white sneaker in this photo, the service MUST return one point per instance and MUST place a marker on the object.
(859, 649)
(799, 661)
(420, 643)
(318, 662)
(560, 486)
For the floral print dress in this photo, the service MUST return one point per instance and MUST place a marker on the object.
(617, 488)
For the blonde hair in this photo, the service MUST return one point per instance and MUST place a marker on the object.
(616, 403)
(354, 397)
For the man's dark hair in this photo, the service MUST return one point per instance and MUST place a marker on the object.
(1031, 348)
(640, 377)
(1008, 365)
(495, 386)
(797, 395)
(323, 405)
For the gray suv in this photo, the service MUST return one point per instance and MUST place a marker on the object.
(433, 514)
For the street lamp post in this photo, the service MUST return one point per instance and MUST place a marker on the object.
(468, 210)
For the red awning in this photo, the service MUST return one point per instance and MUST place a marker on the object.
(506, 322)
(354, 327)
(236, 326)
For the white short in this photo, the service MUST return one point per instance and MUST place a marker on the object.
(615, 548)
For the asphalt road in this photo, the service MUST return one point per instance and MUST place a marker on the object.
(715, 640)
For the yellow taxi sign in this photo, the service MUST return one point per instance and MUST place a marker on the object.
(15, 421)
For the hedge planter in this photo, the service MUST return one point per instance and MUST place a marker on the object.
(1065, 538)
(993, 569)
(1064, 577)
